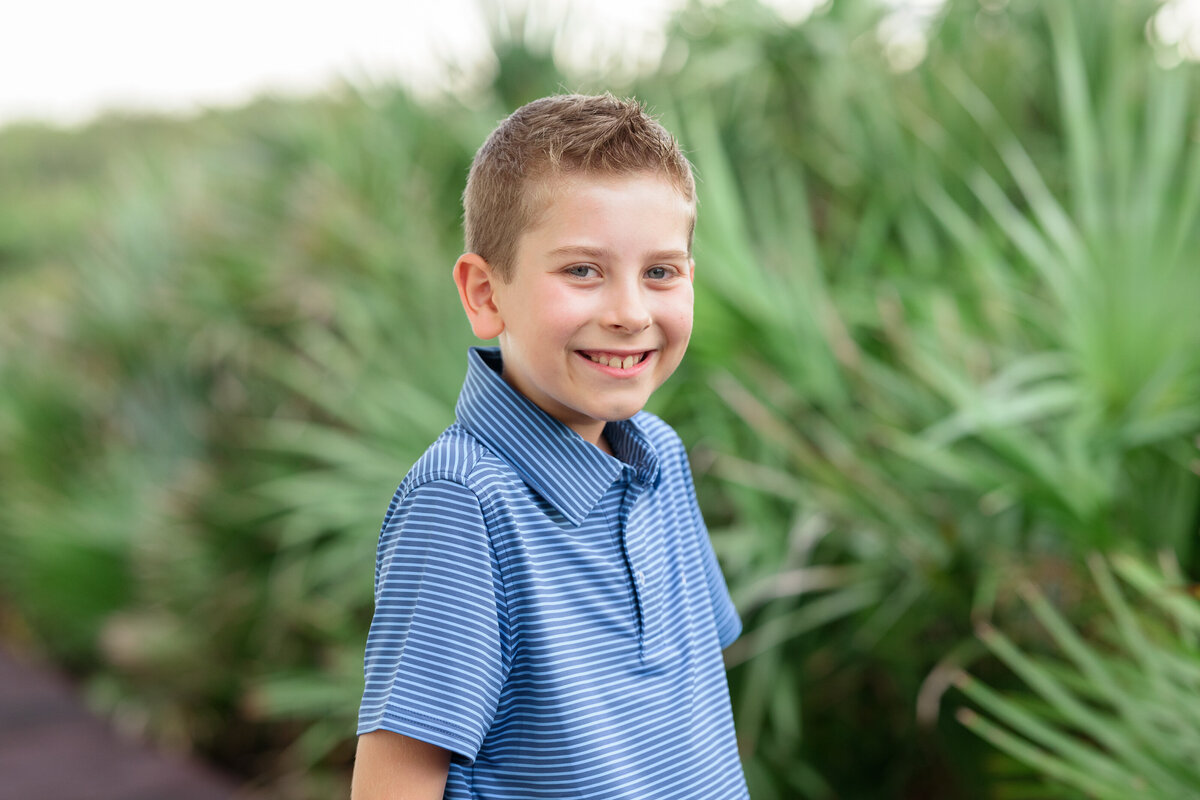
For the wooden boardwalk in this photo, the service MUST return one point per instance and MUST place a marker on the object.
(52, 748)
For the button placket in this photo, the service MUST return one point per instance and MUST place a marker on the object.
(635, 537)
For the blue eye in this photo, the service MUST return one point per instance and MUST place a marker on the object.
(581, 270)
(658, 273)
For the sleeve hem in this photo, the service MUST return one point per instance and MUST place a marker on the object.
(729, 630)
(427, 731)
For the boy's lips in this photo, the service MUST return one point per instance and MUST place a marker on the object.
(618, 361)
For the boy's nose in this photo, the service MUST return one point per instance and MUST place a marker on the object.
(626, 310)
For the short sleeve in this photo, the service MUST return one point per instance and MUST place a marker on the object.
(435, 656)
(729, 624)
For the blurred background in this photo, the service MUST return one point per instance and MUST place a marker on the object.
(943, 397)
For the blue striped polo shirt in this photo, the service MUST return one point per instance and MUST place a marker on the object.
(553, 615)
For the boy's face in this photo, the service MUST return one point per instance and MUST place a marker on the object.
(603, 275)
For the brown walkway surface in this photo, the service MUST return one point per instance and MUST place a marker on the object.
(52, 748)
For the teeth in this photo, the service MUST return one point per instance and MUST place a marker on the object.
(616, 361)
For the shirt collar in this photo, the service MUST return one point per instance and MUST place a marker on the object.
(555, 461)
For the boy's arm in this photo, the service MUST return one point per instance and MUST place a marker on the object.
(390, 766)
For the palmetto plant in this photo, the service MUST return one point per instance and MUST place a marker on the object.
(1092, 393)
(1115, 712)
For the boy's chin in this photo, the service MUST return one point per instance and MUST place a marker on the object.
(621, 413)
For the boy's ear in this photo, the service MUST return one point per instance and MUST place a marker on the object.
(692, 270)
(476, 289)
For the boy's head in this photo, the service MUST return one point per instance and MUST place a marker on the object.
(579, 217)
(516, 171)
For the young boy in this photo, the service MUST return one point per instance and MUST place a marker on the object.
(549, 614)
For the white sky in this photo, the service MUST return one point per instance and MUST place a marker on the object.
(65, 60)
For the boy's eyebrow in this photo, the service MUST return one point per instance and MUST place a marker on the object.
(600, 252)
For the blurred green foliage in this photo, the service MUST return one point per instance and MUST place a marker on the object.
(1120, 715)
(946, 342)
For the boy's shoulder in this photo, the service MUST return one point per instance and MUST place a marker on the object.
(454, 456)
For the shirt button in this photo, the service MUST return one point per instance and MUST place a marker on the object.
(641, 578)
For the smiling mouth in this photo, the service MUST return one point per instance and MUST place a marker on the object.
(616, 360)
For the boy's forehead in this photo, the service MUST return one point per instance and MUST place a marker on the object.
(557, 183)
(543, 191)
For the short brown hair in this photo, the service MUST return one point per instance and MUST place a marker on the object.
(560, 136)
